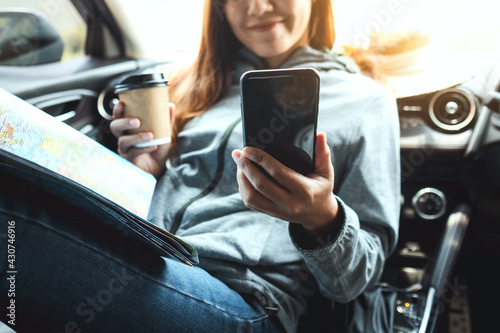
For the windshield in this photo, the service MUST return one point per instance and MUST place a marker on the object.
(173, 27)
(455, 24)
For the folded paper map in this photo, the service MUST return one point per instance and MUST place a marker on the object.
(35, 145)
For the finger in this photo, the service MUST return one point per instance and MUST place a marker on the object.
(136, 152)
(251, 197)
(255, 200)
(171, 108)
(284, 176)
(126, 145)
(259, 181)
(118, 110)
(120, 126)
(323, 163)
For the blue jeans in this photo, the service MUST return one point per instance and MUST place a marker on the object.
(73, 273)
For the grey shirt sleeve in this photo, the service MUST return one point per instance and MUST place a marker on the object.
(343, 264)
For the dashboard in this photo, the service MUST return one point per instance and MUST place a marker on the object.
(450, 198)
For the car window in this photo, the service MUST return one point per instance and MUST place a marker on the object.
(169, 32)
(408, 44)
(454, 24)
(40, 31)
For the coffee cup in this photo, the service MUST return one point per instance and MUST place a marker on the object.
(145, 96)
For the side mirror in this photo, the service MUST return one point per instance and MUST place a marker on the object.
(28, 38)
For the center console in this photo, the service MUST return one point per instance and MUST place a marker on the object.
(421, 285)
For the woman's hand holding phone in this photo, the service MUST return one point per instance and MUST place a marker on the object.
(150, 159)
(306, 200)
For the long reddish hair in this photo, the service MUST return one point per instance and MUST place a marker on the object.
(198, 87)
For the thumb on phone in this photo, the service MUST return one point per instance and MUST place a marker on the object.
(323, 164)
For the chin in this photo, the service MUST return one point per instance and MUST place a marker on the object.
(271, 51)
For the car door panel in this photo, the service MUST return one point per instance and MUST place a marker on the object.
(72, 91)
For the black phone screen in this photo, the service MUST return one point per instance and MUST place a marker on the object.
(279, 111)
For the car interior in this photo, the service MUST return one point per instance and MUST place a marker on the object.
(442, 275)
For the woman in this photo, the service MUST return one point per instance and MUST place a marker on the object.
(265, 246)
(357, 115)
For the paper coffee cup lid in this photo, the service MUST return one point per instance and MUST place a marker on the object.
(141, 81)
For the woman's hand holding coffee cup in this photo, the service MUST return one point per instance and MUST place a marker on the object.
(150, 158)
(143, 121)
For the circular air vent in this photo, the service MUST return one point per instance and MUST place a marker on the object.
(452, 109)
(106, 101)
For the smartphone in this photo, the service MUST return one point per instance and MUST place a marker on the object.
(279, 109)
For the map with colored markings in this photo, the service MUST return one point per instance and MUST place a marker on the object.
(40, 138)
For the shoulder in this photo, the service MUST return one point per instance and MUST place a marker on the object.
(354, 110)
(354, 95)
(342, 83)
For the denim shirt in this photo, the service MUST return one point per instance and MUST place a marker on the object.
(269, 260)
